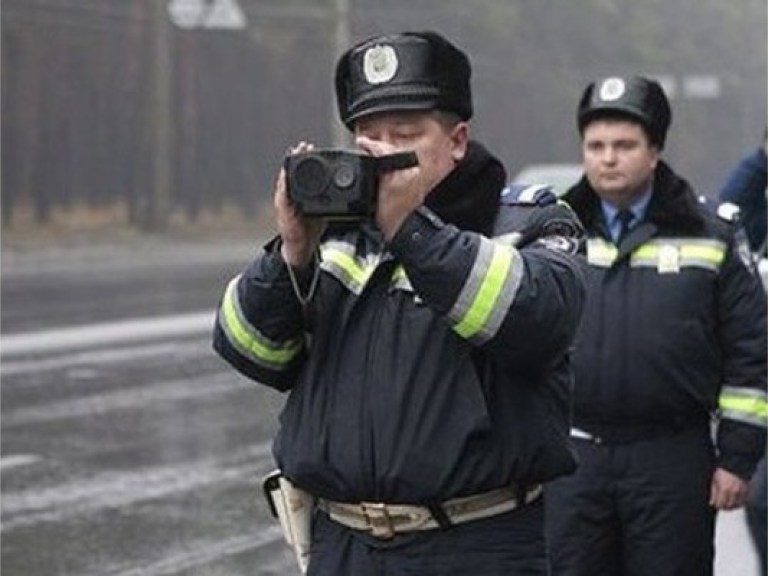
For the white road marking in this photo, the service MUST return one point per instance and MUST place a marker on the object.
(201, 553)
(17, 460)
(104, 356)
(105, 333)
(125, 399)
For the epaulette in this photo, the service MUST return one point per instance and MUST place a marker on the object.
(533, 213)
(528, 195)
(731, 213)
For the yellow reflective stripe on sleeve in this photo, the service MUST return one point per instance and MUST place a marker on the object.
(247, 340)
(338, 258)
(488, 292)
(744, 405)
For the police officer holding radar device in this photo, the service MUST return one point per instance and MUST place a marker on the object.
(419, 322)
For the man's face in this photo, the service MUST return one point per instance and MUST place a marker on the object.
(438, 143)
(619, 160)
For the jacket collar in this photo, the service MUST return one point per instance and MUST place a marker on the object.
(468, 197)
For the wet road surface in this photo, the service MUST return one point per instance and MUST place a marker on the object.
(128, 447)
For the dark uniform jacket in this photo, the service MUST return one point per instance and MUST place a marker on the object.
(430, 367)
(674, 328)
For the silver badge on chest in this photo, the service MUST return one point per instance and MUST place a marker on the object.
(669, 260)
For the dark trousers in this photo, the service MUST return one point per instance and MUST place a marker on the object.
(509, 544)
(757, 513)
(635, 509)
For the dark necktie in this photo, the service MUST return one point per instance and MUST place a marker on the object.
(625, 216)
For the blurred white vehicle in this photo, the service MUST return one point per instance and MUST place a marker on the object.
(559, 176)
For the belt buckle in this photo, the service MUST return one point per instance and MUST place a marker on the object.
(379, 521)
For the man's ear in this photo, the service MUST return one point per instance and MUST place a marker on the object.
(656, 156)
(459, 141)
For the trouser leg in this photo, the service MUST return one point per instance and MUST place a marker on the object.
(583, 534)
(663, 503)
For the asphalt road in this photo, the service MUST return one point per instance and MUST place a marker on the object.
(128, 447)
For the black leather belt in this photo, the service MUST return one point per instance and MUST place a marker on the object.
(629, 433)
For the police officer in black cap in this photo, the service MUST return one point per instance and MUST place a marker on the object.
(424, 352)
(673, 340)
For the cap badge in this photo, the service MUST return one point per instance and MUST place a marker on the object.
(379, 64)
(612, 89)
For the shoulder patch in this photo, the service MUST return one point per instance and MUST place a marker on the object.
(567, 244)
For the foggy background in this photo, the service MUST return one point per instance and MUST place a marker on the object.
(140, 141)
(151, 110)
